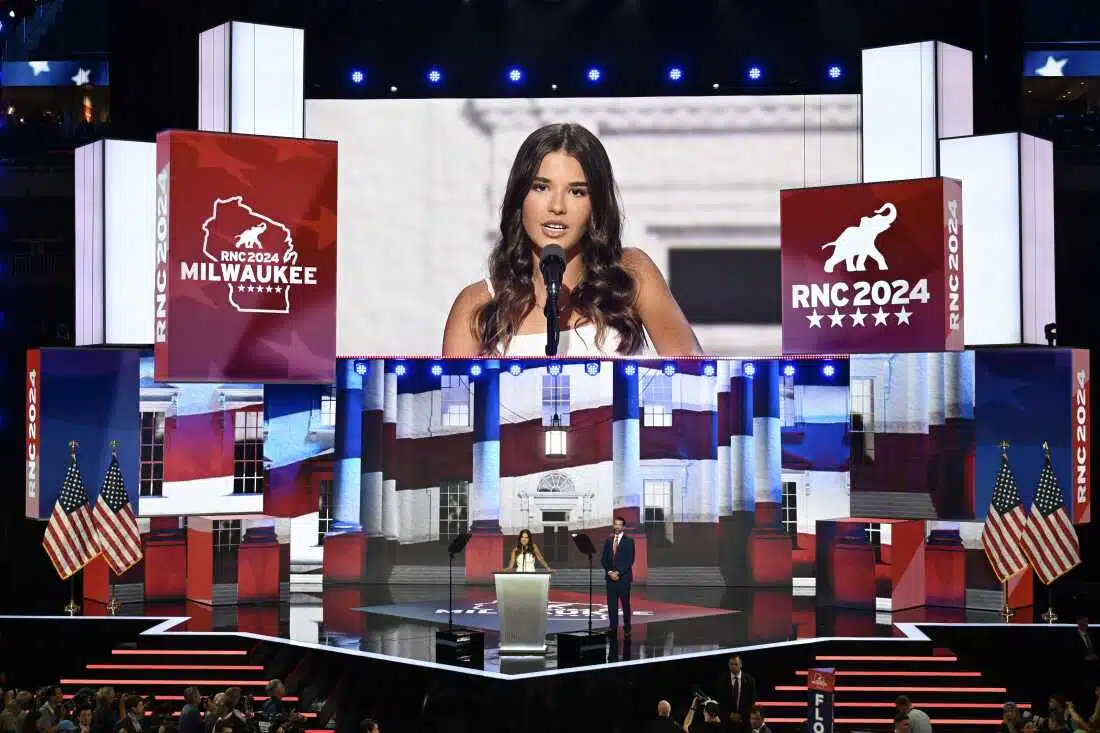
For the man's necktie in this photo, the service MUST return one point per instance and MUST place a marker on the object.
(737, 693)
(614, 548)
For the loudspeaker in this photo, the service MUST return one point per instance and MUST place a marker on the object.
(460, 647)
(579, 648)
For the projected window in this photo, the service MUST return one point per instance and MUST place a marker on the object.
(454, 509)
(227, 534)
(789, 509)
(248, 452)
(874, 539)
(324, 509)
(790, 402)
(555, 536)
(657, 513)
(657, 401)
(861, 427)
(151, 481)
(555, 400)
(328, 408)
(456, 400)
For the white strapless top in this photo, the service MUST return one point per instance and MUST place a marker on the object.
(525, 562)
(573, 343)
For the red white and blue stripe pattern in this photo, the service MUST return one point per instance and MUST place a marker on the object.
(1004, 526)
(1049, 538)
(116, 527)
(70, 538)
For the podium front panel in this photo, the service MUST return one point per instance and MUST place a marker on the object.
(522, 599)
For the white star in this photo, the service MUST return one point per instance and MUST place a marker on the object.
(814, 319)
(83, 77)
(1051, 67)
(240, 288)
(836, 319)
(857, 317)
(880, 317)
(278, 289)
(39, 67)
(903, 316)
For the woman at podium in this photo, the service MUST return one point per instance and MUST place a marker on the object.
(525, 554)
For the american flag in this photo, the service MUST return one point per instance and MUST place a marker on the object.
(70, 534)
(1004, 526)
(115, 524)
(1050, 539)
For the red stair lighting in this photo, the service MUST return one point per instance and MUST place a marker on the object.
(897, 673)
(184, 667)
(180, 652)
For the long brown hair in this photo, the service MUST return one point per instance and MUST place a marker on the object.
(606, 295)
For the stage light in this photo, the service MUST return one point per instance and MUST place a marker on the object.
(554, 87)
(630, 370)
(835, 72)
(593, 368)
(515, 370)
(11, 13)
(475, 370)
(708, 370)
(400, 370)
(435, 76)
(714, 86)
(788, 371)
(437, 370)
(393, 90)
(515, 75)
(755, 73)
(669, 369)
(360, 368)
(358, 77)
(593, 75)
(675, 73)
(554, 369)
(749, 369)
(828, 370)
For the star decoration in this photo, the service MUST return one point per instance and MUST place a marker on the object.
(836, 318)
(1051, 67)
(83, 77)
(903, 316)
(39, 67)
(880, 317)
(814, 319)
(857, 317)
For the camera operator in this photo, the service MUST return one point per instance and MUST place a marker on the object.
(712, 715)
(664, 722)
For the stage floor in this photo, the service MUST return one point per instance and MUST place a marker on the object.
(400, 622)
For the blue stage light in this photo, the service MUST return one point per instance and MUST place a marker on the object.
(835, 72)
(554, 369)
(593, 75)
(435, 76)
(515, 75)
(788, 370)
(708, 370)
(437, 370)
(358, 77)
(475, 370)
(630, 370)
(749, 369)
(400, 370)
(669, 369)
(675, 73)
(593, 368)
(755, 73)
(828, 370)
(515, 370)
(360, 368)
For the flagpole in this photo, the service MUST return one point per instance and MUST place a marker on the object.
(71, 608)
(113, 603)
(1006, 612)
(1049, 616)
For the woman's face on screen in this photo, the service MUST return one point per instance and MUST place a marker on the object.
(557, 207)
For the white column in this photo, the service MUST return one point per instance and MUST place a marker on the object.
(916, 394)
(722, 376)
(391, 515)
(935, 389)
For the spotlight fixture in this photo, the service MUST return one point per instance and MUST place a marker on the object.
(630, 370)
(593, 75)
(437, 370)
(749, 369)
(755, 73)
(675, 73)
(515, 75)
(435, 76)
(475, 370)
(400, 370)
(788, 370)
(554, 369)
(515, 370)
(592, 368)
(358, 77)
(360, 368)
(835, 72)
(828, 370)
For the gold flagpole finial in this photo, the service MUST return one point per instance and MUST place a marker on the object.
(1004, 447)
(72, 447)
(114, 448)
(1046, 448)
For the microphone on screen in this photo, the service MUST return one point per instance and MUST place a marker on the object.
(552, 267)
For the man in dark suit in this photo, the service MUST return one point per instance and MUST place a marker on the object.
(737, 695)
(1083, 662)
(618, 565)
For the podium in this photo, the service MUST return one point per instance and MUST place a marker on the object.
(522, 599)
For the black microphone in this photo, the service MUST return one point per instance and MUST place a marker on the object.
(552, 267)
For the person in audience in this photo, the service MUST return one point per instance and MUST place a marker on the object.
(274, 706)
(664, 722)
(901, 724)
(756, 720)
(217, 710)
(30, 722)
(918, 719)
(1010, 718)
(1083, 660)
(191, 715)
(106, 715)
(736, 694)
(25, 701)
(7, 722)
(369, 725)
(712, 716)
(65, 726)
(1029, 727)
(133, 715)
(51, 709)
(1055, 722)
(84, 719)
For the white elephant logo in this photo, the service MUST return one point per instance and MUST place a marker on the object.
(856, 244)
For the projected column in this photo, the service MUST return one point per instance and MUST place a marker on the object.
(391, 518)
(722, 388)
(373, 456)
(626, 455)
(484, 554)
(742, 448)
(769, 551)
(345, 546)
(936, 485)
(959, 436)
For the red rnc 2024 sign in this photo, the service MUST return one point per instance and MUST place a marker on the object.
(874, 267)
(246, 258)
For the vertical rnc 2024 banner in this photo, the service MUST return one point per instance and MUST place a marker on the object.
(246, 258)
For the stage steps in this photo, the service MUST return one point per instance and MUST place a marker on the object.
(867, 685)
(162, 666)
